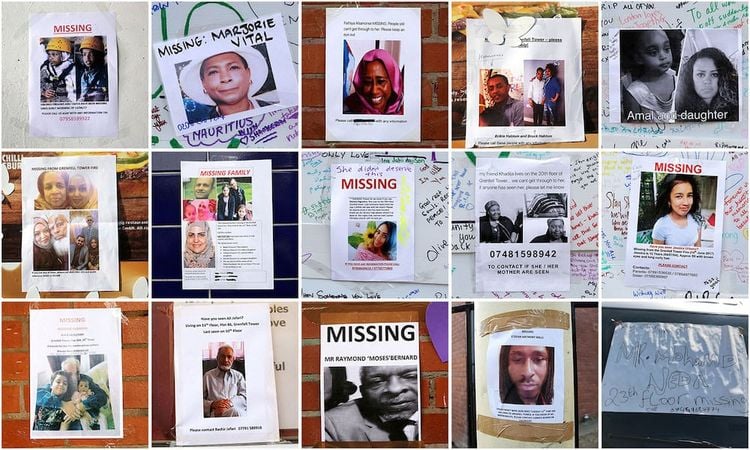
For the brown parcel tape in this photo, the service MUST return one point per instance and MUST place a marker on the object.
(524, 431)
(527, 318)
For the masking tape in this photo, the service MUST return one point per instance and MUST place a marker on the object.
(527, 318)
(524, 431)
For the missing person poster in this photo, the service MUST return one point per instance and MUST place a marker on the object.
(73, 74)
(69, 215)
(227, 225)
(521, 376)
(217, 77)
(370, 382)
(373, 73)
(675, 223)
(675, 75)
(523, 80)
(225, 390)
(76, 373)
(676, 368)
(523, 218)
(372, 222)
(524, 377)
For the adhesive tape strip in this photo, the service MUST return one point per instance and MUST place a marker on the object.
(524, 431)
(527, 318)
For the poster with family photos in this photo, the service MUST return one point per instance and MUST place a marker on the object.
(675, 75)
(373, 72)
(69, 215)
(221, 76)
(227, 225)
(73, 75)
(523, 80)
(75, 369)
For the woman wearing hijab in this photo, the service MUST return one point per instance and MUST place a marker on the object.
(81, 192)
(45, 257)
(199, 249)
(53, 190)
(378, 86)
(93, 254)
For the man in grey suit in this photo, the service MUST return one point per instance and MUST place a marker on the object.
(387, 411)
(80, 254)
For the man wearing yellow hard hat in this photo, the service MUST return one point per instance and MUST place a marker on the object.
(57, 73)
(92, 77)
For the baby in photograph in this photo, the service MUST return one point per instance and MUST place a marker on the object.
(648, 80)
(89, 421)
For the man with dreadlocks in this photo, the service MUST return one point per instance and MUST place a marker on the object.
(526, 375)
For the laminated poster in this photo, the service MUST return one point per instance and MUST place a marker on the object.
(522, 383)
(225, 390)
(76, 373)
(221, 76)
(73, 75)
(372, 222)
(676, 368)
(675, 75)
(675, 224)
(70, 240)
(370, 389)
(523, 81)
(523, 220)
(373, 72)
(227, 225)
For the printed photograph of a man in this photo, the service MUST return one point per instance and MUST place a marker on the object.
(388, 409)
(226, 83)
(527, 374)
(224, 390)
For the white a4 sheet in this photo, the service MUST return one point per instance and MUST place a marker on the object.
(523, 218)
(372, 222)
(225, 352)
(76, 369)
(523, 81)
(69, 214)
(227, 225)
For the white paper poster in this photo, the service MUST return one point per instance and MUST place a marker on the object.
(372, 222)
(76, 373)
(73, 74)
(373, 72)
(371, 386)
(674, 75)
(675, 223)
(523, 81)
(284, 320)
(216, 77)
(225, 390)
(522, 383)
(676, 368)
(523, 218)
(70, 240)
(227, 225)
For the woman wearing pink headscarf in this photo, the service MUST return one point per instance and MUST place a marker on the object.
(378, 86)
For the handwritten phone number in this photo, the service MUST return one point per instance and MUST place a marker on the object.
(523, 253)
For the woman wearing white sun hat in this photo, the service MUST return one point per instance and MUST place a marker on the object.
(223, 84)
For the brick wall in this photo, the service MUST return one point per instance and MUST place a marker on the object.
(433, 373)
(587, 361)
(434, 74)
(15, 381)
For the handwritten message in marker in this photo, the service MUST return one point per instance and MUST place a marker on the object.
(676, 369)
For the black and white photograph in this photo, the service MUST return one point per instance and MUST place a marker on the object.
(224, 386)
(502, 222)
(371, 403)
(649, 61)
(547, 231)
(370, 387)
(708, 85)
(547, 205)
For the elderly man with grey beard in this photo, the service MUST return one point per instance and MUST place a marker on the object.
(224, 393)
